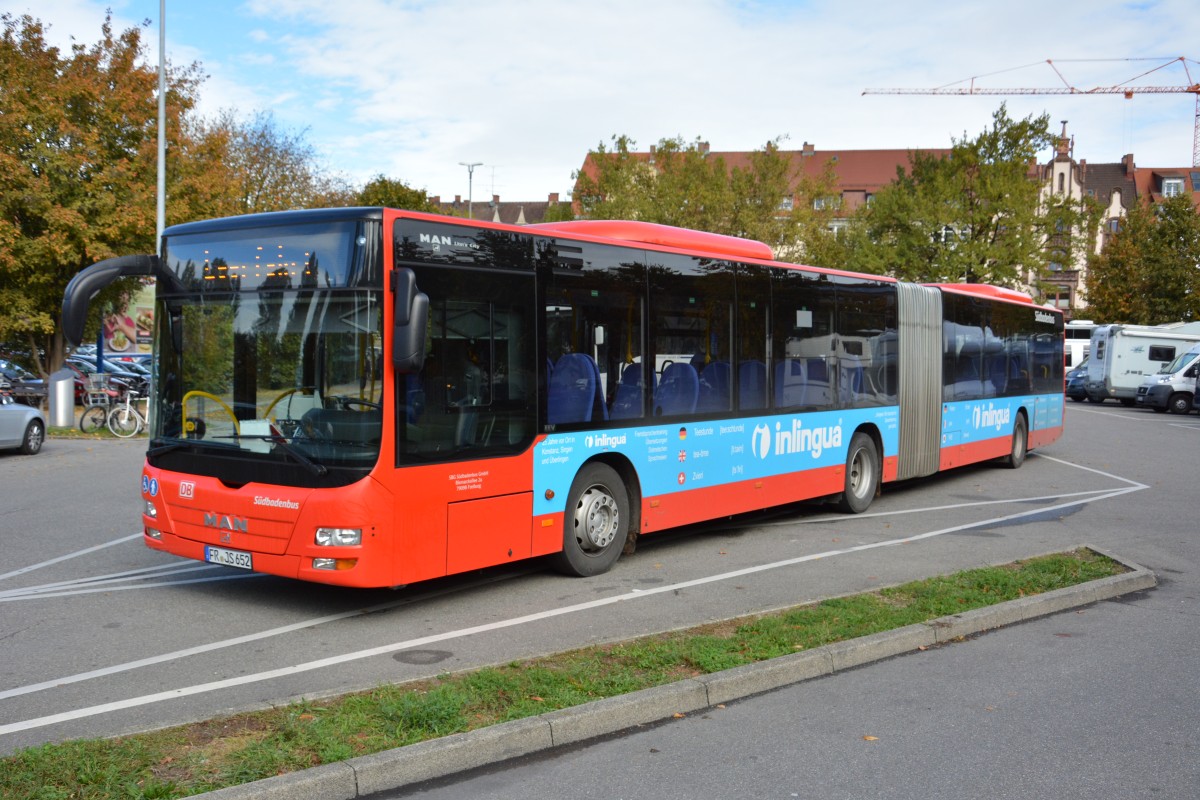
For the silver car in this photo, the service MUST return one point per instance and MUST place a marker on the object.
(21, 426)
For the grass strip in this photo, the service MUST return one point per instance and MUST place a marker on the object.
(180, 761)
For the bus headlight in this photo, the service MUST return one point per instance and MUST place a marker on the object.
(151, 511)
(339, 537)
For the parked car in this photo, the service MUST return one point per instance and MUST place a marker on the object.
(21, 426)
(1076, 382)
(24, 386)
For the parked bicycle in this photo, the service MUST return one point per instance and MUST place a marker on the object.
(125, 419)
(100, 399)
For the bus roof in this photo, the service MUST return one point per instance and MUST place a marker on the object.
(665, 235)
(987, 290)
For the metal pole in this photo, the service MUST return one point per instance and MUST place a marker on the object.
(161, 215)
(470, 184)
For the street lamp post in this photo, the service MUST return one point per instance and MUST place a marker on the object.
(470, 183)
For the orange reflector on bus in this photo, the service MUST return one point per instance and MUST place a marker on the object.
(334, 563)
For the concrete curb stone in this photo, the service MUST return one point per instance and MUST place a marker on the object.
(405, 766)
(600, 717)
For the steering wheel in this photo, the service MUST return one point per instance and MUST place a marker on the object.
(348, 402)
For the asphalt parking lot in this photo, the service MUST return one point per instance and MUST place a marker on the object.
(110, 637)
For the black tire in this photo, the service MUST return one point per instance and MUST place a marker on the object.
(862, 475)
(93, 419)
(1020, 444)
(35, 435)
(1180, 403)
(124, 422)
(595, 523)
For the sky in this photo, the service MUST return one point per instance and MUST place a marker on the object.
(414, 89)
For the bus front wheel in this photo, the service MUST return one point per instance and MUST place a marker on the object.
(862, 475)
(596, 522)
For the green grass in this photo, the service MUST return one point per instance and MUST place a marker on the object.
(176, 762)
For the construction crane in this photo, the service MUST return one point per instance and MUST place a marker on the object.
(1125, 88)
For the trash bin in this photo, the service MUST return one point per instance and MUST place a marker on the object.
(62, 399)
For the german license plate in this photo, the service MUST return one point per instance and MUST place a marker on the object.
(228, 558)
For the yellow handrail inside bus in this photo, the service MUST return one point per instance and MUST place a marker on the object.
(288, 393)
(197, 393)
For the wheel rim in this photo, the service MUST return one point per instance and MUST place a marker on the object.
(33, 441)
(1018, 452)
(597, 518)
(860, 472)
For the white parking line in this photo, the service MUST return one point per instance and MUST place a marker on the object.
(68, 556)
(213, 686)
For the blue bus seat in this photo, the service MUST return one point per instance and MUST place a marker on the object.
(790, 382)
(628, 400)
(714, 387)
(678, 390)
(574, 394)
(850, 379)
(752, 384)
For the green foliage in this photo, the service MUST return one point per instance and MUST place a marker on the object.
(392, 193)
(1149, 272)
(78, 138)
(229, 166)
(685, 185)
(973, 216)
(559, 212)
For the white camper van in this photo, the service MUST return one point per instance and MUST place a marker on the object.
(1172, 388)
(1122, 356)
(1078, 333)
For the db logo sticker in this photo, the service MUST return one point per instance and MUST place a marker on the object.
(187, 489)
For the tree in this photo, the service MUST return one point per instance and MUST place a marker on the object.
(683, 184)
(392, 193)
(1149, 272)
(78, 138)
(974, 215)
(227, 166)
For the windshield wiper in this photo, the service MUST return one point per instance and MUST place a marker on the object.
(314, 467)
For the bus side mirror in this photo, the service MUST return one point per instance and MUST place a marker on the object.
(84, 286)
(410, 318)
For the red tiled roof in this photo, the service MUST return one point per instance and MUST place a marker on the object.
(854, 170)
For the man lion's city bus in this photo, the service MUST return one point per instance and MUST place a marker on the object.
(372, 397)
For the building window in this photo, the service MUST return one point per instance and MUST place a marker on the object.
(786, 204)
(1114, 225)
(1062, 182)
(946, 235)
(1172, 187)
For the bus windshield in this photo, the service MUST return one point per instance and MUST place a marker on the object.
(272, 359)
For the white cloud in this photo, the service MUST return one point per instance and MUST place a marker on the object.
(410, 89)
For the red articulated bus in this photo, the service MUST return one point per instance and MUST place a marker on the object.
(372, 397)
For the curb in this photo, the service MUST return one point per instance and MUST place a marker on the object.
(437, 758)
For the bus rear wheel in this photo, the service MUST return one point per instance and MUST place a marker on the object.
(862, 475)
(596, 522)
(1020, 444)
